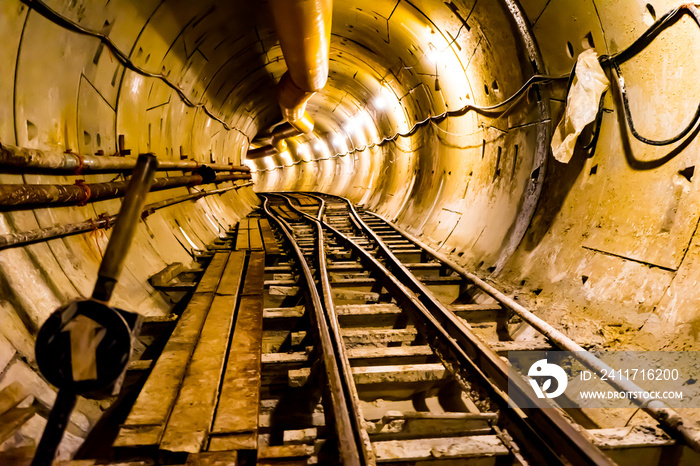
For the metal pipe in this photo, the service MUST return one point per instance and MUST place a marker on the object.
(43, 234)
(123, 234)
(40, 195)
(272, 141)
(292, 101)
(304, 31)
(56, 424)
(669, 418)
(23, 158)
(260, 152)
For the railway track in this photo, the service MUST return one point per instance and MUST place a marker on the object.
(416, 370)
(315, 333)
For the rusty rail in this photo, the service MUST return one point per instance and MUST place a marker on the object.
(464, 353)
(350, 449)
(351, 395)
(669, 419)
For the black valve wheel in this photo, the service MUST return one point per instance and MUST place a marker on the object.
(83, 347)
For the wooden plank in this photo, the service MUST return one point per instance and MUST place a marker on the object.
(286, 451)
(362, 356)
(240, 392)
(137, 435)
(478, 313)
(12, 395)
(234, 441)
(279, 212)
(22, 455)
(193, 412)
(165, 276)
(270, 243)
(254, 235)
(289, 213)
(212, 276)
(382, 376)
(220, 458)
(155, 400)
(504, 347)
(231, 278)
(242, 241)
(13, 419)
(236, 421)
(254, 277)
(425, 449)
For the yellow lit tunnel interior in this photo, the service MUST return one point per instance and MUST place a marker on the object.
(604, 247)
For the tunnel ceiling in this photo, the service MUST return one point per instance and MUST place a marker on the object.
(198, 79)
(393, 66)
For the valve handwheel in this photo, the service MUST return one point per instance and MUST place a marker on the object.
(83, 346)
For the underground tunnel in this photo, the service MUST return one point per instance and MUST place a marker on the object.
(340, 232)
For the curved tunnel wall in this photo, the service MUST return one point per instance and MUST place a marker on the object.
(610, 251)
(609, 255)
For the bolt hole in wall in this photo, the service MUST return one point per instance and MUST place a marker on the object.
(688, 173)
(497, 172)
(587, 42)
(570, 49)
(87, 139)
(32, 131)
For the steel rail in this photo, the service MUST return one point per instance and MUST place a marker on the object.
(407, 299)
(544, 425)
(362, 438)
(669, 419)
(346, 439)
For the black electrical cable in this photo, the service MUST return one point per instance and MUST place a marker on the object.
(667, 19)
(489, 110)
(630, 122)
(596, 128)
(637, 46)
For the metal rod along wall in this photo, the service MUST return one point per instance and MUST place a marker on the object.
(44, 234)
(23, 158)
(21, 196)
